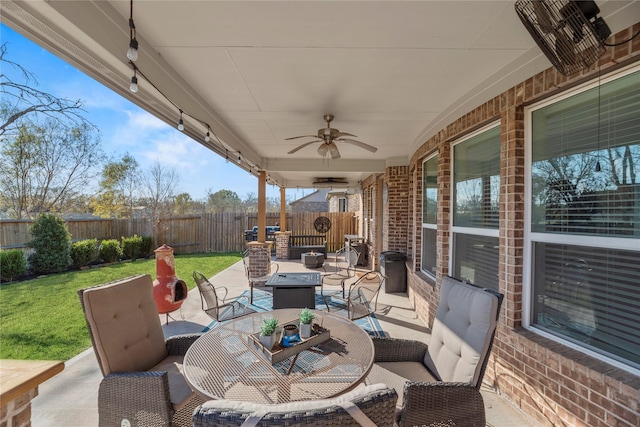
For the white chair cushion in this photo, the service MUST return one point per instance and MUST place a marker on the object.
(396, 374)
(124, 322)
(178, 387)
(305, 405)
(461, 334)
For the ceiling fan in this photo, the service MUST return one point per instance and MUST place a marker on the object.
(328, 137)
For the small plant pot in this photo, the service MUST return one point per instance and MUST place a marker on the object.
(268, 341)
(305, 330)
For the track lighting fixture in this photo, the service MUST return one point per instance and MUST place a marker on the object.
(132, 52)
(207, 137)
(180, 122)
(239, 157)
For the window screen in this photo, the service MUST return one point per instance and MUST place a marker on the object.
(585, 181)
(476, 176)
(429, 215)
(569, 196)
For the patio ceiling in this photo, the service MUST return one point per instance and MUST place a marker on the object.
(393, 73)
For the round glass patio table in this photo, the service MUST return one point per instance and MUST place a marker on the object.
(223, 365)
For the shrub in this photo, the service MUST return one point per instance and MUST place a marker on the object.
(110, 250)
(83, 252)
(52, 244)
(131, 246)
(146, 246)
(12, 264)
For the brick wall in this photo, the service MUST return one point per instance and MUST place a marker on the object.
(259, 259)
(553, 383)
(395, 226)
(17, 412)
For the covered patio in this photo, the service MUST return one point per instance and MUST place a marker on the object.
(462, 140)
(79, 381)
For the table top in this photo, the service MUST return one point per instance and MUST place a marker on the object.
(17, 377)
(294, 279)
(222, 365)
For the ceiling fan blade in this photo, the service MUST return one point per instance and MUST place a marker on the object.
(302, 146)
(341, 134)
(301, 136)
(359, 144)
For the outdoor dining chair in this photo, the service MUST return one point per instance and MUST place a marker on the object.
(370, 406)
(143, 383)
(439, 384)
(214, 298)
(363, 290)
(344, 268)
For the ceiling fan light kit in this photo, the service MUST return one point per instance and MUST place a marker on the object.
(568, 32)
(328, 137)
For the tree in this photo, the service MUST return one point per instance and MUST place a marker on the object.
(48, 149)
(224, 201)
(184, 204)
(159, 189)
(51, 244)
(22, 101)
(119, 188)
(44, 167)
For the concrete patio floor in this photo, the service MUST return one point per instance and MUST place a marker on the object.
(71, 397)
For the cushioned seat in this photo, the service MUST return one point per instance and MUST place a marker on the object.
(441, 381)
(370, 406)
(143, 381)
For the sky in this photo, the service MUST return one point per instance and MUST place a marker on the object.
(126, 128)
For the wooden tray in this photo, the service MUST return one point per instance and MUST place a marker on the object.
(279, 353)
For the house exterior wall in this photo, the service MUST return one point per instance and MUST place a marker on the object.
(395, 198)
(555, 384)
(353, 202)
(310, 207)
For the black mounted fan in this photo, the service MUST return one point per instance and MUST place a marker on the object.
(569, 33)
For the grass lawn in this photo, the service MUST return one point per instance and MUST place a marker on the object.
(42, 318)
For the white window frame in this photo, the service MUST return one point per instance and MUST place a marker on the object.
(486, 232)
(530, 237)
(426, 225)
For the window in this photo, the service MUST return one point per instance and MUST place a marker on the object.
(429, 215)
(368, 213)
(476, 190)
(585, 219)
(342, 204)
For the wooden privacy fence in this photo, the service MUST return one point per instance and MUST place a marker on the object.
(209, 232)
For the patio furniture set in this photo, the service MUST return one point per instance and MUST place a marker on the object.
(221, 377)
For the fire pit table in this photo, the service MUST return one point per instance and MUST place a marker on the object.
(312, 259)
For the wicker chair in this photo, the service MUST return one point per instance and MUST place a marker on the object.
(371, 406)
(363, 290)
(212, 302)
(344, 268)
(142, 382)
(441, 381)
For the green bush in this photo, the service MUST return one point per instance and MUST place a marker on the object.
(131, 246)
(146, 246)
(12, 264)
(83, 252)
(110, 250)
(52, 244)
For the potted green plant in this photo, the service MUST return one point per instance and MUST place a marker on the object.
(268, 333)
(306, 318)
